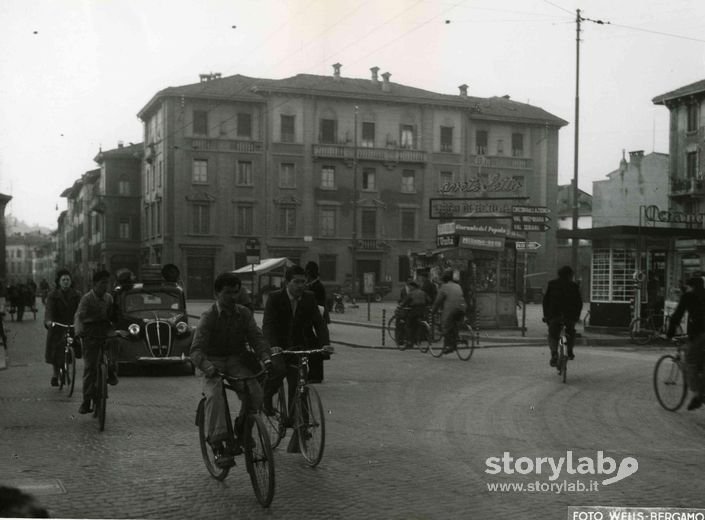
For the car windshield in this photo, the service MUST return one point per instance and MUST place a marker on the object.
(152, 300)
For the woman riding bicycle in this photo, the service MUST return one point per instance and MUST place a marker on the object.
(61, 306)
(692, 301)
(562, 304)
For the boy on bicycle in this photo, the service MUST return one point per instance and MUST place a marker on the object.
(451, 301)
(417, 301)
(220, 344)
(562, 304)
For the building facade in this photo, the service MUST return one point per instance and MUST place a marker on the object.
(355, 174)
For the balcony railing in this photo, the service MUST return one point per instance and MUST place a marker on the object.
(499, 161)
(372, 244)
(226, 145)
(345, 151)
(687, 187)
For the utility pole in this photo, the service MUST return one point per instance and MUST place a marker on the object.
(574, 241)
(353, 249)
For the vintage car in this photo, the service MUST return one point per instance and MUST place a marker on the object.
(153, 311)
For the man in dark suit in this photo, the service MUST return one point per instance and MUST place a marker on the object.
(291, 321)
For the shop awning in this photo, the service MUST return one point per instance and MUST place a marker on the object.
(630, 231)
(266, 265)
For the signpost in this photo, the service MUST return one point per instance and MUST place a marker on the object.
(530, 218)
(527, 246)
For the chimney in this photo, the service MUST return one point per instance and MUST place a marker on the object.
(463, 90)
(386, 86)
(635, 157)
(375, 70)
(210, 76)
(336, 71)
(120, 144)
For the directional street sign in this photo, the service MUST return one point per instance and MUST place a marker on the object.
(530, 210)
(527, 246)
(530, 218)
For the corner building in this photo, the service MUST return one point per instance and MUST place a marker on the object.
(333, 169)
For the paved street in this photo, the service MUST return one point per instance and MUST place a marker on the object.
(408, 436)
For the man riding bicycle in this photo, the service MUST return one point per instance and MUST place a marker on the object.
(452, 302)
(220, 345)
(562, 304)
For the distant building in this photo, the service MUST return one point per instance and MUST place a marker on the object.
(22, 252)
(564, 220)
(4, 199)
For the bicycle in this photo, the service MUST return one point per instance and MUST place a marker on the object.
(308, 419)
(562, 359)
(464, 339)
(252, 437)
(670, 384)
(67, 370)
(396, 328)
(100, 397)
(644, 330)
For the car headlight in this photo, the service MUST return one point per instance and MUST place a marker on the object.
(182, 327)
(133, 329)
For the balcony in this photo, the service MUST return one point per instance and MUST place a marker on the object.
(688, 187)
(372, 244)
(225, 145)
(388, 155)
(501, 161)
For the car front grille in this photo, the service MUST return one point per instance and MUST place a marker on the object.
(158, 337)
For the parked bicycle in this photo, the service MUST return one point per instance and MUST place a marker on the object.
(653, 326)
(464, 340)
(305, 415)
(67, 370)
(396, 328)
(249, 434)
(670, 384)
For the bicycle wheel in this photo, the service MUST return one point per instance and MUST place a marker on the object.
(424, 333)
(259, 459)
(274, 424)
(669, 382)
(310, 425)
(101, 399)
(640, 331)
(71, 370)
(206, 450)
(465, 345)
(436, 348)
(563, 360)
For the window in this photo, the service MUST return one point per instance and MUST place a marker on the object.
(500, 146)
(406, 137)
(159, 217)
(404, 268)
(200, 171)
(287, 220)
(517, 145)
(123, 186)
(611, 276)
(200, 223)
(287, 175)
(408, 178)
(481, 142)
(328, 131)
(369, 223)
(368, 179)
(288, 133)
(153, 221)
(408, 224)
(244, 125)
(327, 267)
(691, 165)
(327, 222)
(692, 117)
(160, 165)
(243, 223)
(124, 228)
(200, 122)
(445, 178)
(446, 139)
(244, 173)
(368, 135)
(328, 177)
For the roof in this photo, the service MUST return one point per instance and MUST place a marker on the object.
(132, 151)
(694, 88)
(264, 266)
(252, 89)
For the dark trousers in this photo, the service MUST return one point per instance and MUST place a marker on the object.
(554, 332)
(91, 352)
(291, 373)
(413, 318)
(695, 363)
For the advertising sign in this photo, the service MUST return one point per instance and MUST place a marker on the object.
(496, 207)
(485, 243)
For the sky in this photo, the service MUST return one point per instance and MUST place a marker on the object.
(74, 74)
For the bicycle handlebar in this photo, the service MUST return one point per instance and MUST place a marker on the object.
(328, 350)
(57, 324)
(234, 379)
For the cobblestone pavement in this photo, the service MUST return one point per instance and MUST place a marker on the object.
(408, 436)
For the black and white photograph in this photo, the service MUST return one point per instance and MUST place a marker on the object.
(315, 259)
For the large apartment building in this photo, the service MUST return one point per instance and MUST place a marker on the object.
(342, 171)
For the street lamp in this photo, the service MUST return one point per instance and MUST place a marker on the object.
(354, 209)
